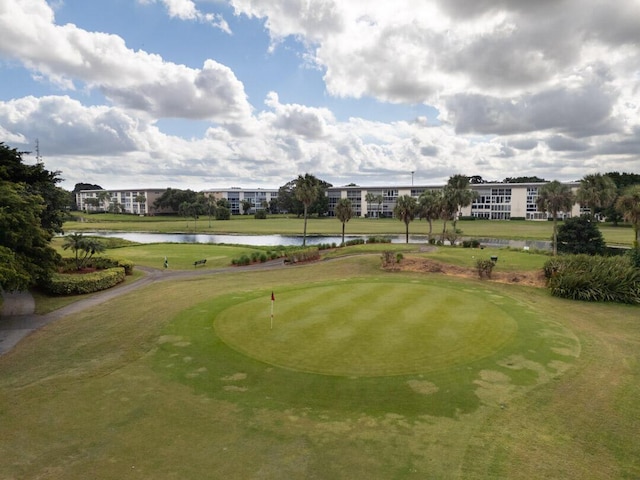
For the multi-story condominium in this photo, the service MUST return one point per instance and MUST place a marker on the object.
(260, 198)
(139, 201)
(494, 201)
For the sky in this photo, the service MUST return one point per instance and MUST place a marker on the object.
(252, 93)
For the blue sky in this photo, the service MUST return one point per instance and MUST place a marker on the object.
(204, 94)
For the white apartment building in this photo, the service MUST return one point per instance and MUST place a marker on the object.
(494, 201)
(138, 201)
(259, 197)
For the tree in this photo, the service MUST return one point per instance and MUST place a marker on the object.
(105, 197)
(77, 242)
(405, 210)
(596, 192)
(370, 198)
(457, 192)
(344, 212)
(629, 205)
(171, 199)
(533, 179)
(32, 209)
(555, 197)
(306, 191)
(430, 207)
(140, 199)
(580, 235)
(246, 205)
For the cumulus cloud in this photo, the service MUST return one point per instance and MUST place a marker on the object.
(487, 62)
(132, 79)
(187, 10)
(521, 86)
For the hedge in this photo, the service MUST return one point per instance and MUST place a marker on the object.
(74, 284)
(68, 264)
(303, 255)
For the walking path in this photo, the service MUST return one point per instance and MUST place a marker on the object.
(18, 318)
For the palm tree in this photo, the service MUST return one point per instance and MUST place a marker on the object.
(103, 197)
(140, 199)
(77, 242)
(629, 205)
(429, 207)
(344, 212)
(405, 210)
(458, 193)
(448, 209)
(555, 197)
(370, 197)
(596, 191)
(306, 191)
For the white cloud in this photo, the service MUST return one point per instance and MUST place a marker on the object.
(187, 10)
(133, 79)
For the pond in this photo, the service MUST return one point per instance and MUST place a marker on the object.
(291, 240)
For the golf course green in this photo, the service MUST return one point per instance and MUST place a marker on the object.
(368, 329)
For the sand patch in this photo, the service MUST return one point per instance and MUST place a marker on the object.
(235, 377)
(423, 387)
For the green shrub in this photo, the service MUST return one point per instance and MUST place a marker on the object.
(68, 264)
(471, 243)
(484, 267)
(260, 214)
(223, 213)
(634, 256)
(74, 284)
(378, 239)
(580, 235)
(303, 255)
(594, 278)
(263, 257)
(355, 241)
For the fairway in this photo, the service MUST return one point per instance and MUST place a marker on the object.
(368, 329)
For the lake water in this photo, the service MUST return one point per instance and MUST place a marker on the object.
(292, 240)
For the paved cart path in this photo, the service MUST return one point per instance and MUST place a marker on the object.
(18, 318)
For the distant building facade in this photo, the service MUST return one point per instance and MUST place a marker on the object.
(136, 201)
(494, 201)
(260, 198)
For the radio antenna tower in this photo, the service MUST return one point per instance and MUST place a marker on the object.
(38, 157)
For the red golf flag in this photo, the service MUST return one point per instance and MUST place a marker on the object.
(273, 297)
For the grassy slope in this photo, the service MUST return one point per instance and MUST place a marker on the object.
(91, 396)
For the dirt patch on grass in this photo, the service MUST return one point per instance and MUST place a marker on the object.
(427, 265)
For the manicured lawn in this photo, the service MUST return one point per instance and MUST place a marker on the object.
(143, 386)
(241, 224)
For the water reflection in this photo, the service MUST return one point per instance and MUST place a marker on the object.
(291, 240)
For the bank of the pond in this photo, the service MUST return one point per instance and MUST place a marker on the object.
(292, 240)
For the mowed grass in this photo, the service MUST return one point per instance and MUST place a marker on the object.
(289, 225)
(368, 329)
(142, 386)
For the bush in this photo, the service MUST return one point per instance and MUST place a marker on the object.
(378, 239)
(68, 265)
(484, 268)
(472, 243)
(580, 235)
(634, 256)
(355, 241)
(302, 255)
(74, 284)
(223, 213)
(594, 278)
(260, 214)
